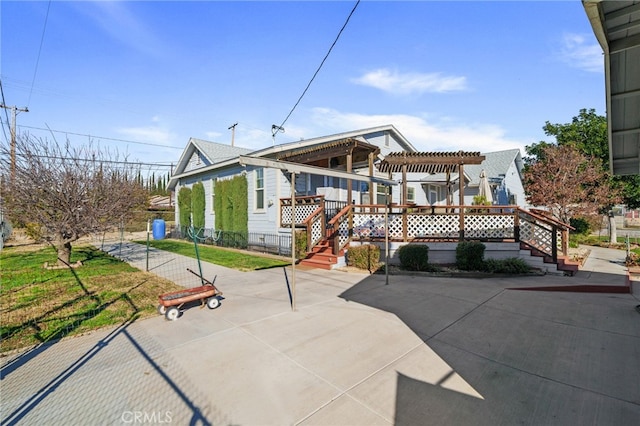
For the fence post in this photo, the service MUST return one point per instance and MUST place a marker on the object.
(554, 243)
(404, 224)
(516, 225)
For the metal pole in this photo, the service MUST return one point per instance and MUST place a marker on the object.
(148, 227)
(293, 242)
(195, 243)
(386, 234)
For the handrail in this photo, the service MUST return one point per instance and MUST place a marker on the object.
(549, 219)
(306, 199)
(339, 219)
(310, 224)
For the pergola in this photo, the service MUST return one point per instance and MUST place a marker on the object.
(339, 154)
(429, 163)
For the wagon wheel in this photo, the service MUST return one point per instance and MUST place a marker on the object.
(162, 309)
(172, 313)
(213, 302)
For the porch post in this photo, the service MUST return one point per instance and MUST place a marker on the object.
(349, 189)
(293, 241)
(404, 202)
(349, 181)
(371, 175)
(461, 200)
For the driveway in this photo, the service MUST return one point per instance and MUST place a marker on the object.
(419, 351)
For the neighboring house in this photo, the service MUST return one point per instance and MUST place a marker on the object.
(353, 151)
(503, 170)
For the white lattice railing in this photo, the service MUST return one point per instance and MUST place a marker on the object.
(315, 228)
(543, 233)
(407, 223)
(305, 206)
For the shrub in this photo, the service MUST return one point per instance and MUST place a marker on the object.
(198, 205)
(470, 255)
(301, 244)
(184, 206)
(414, 257)
(511, 265)
(366, 256)
(581, 225)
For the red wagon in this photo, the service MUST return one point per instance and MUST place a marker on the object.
(171, 303)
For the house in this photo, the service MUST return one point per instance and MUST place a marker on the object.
(359, 187)
(354, 151)
(504, 171)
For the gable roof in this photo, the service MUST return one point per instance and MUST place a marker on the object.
(214, 152)
(496, 164)
(221, 155)
(354, 134)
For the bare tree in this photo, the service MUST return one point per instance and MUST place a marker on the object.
(70, 192)
(568, 183)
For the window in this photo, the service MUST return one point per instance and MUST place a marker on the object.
(411, 194)
(380, 194)
(259, 189)
(433, 195)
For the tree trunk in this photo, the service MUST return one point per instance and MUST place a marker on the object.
(64, 253)
(613, 235)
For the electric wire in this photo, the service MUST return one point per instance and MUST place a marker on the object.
(319, 67)
(79, 159)
(99, 137)
(35, 71)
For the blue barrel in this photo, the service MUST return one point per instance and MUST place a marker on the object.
(158, 229)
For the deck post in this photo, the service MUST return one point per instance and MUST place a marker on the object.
(461, 200)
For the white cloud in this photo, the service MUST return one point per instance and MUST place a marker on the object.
(409, 83)
(424, 135)
(579, 53)
(213, 136)
(150, 134)
(117, 19)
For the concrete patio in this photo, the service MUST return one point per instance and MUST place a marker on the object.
(419, 351)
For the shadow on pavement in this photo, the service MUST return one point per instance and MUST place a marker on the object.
(532, 357)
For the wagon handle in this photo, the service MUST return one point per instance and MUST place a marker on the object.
(203, 278)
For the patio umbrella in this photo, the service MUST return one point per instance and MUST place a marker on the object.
(484, 188)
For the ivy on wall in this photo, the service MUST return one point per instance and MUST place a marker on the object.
(231, 204)
(198, 205)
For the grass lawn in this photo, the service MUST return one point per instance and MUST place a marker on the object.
(39, 305)
(224, 257)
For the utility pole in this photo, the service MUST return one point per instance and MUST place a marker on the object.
(14, 113)
(233, 132)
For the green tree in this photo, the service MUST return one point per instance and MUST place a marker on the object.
(587, 132)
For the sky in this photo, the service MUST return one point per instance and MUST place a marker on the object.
(140, 78)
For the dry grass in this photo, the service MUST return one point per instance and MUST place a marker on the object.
(39, 305)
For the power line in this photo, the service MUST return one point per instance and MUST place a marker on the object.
(127, 163)
(318, 70)
(99, 137)
(35, 71)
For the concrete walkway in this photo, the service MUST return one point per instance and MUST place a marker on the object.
(419, 351)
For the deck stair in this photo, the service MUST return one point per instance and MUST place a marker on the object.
(322, 256)
(544, 262)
